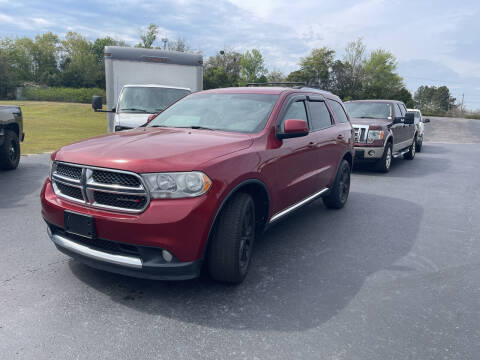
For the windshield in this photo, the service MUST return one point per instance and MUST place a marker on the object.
(374, 110)
(148, 99)
(227, 112)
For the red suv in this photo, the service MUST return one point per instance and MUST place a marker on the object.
(199, 182)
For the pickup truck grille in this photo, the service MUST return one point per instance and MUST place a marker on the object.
(361, 132)
(108, 189)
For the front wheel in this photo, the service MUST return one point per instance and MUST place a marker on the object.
(230, 251)
(338, 195)
(10, 151)
(385, 162)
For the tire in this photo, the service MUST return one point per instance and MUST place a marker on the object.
(385, 163)
(338, 195)
(412, 150)
(231, 247)
(418, 145)
(10, 151)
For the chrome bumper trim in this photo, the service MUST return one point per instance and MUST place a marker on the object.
(127, 261)
(297, 205)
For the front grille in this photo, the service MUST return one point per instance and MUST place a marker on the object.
(360, 133)
(120, 200)
(108, 177)
(69, 171)
(102, 188)
(70, 191)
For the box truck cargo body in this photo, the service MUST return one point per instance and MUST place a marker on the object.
(127, 66)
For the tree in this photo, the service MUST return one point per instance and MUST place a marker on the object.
(275, 76)
(406, 96)
(381, 80)
(79, 64)
(45, 56)
(178, 45)
(353, 70)
(253, 68)
(297, 76)
(317, 66)
(97, 49)
(433, 99)
(222, 70)
(148, 37)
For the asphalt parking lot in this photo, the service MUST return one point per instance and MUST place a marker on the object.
(393, 275)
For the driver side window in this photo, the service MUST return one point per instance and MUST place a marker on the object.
(296, 110)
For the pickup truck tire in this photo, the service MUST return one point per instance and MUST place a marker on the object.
(10, 151)
(418, 145)
(338, 195)
(385, 163)
(232, 243)
(410, 155)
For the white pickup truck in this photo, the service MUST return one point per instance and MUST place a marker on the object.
(420, 124)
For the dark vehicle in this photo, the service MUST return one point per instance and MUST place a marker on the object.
(11, 134)
(199, 183)
(384, 129)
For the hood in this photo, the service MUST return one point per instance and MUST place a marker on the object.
(154, 149)
(131, 120)
(371, 121)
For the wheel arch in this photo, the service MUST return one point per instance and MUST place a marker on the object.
(261, 198)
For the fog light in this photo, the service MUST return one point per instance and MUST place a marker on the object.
(371, 152)
(167, 256)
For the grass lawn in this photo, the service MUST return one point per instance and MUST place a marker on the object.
(50, 125)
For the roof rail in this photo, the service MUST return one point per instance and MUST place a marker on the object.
(315, 88)
(280, 83)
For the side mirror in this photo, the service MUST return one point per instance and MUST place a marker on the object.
(398, 120)
(97, 103)
(294, 128)
(426, 120)
(409, 118)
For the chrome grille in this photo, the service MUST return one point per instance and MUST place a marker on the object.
(69, 171)
(108, 177)
(108, 189)
(361, 132)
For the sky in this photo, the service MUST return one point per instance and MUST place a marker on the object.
(435, 42)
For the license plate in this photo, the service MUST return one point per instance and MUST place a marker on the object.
(79, 224)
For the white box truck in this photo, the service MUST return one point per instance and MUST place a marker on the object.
(141, 82)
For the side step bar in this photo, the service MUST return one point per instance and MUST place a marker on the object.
(400, 153)
(297, 205)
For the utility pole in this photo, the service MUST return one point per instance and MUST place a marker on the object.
(463, 98)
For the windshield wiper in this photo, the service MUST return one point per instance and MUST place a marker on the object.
(135, 109)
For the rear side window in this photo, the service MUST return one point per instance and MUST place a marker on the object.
(401, 110)
(338, 110)
(296, 110)
(320, 116)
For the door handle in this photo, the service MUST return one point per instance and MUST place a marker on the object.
(340, 137)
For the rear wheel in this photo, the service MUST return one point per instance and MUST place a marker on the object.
(418, 144)
(338, 195)
(384, 164)
(410, 155)
(232, 243)
(10, 151)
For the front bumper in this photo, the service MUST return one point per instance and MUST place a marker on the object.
(180, 226)
(145, 263)
(368, 153)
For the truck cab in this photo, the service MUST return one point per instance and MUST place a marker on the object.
(137, 102)
(384, 129)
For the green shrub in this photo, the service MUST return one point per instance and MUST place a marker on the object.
(62, 94)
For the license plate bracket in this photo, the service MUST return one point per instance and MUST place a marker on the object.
(79, 224)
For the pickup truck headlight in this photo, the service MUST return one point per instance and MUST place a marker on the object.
(177, 185)
(374, 135)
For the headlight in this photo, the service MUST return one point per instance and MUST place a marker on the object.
(177, 184)
(52, 168)
(374, 135)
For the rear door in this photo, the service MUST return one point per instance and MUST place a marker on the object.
(399, 135)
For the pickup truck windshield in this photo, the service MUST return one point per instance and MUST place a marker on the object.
(227, 112)
(148, 99)
(371, 110)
